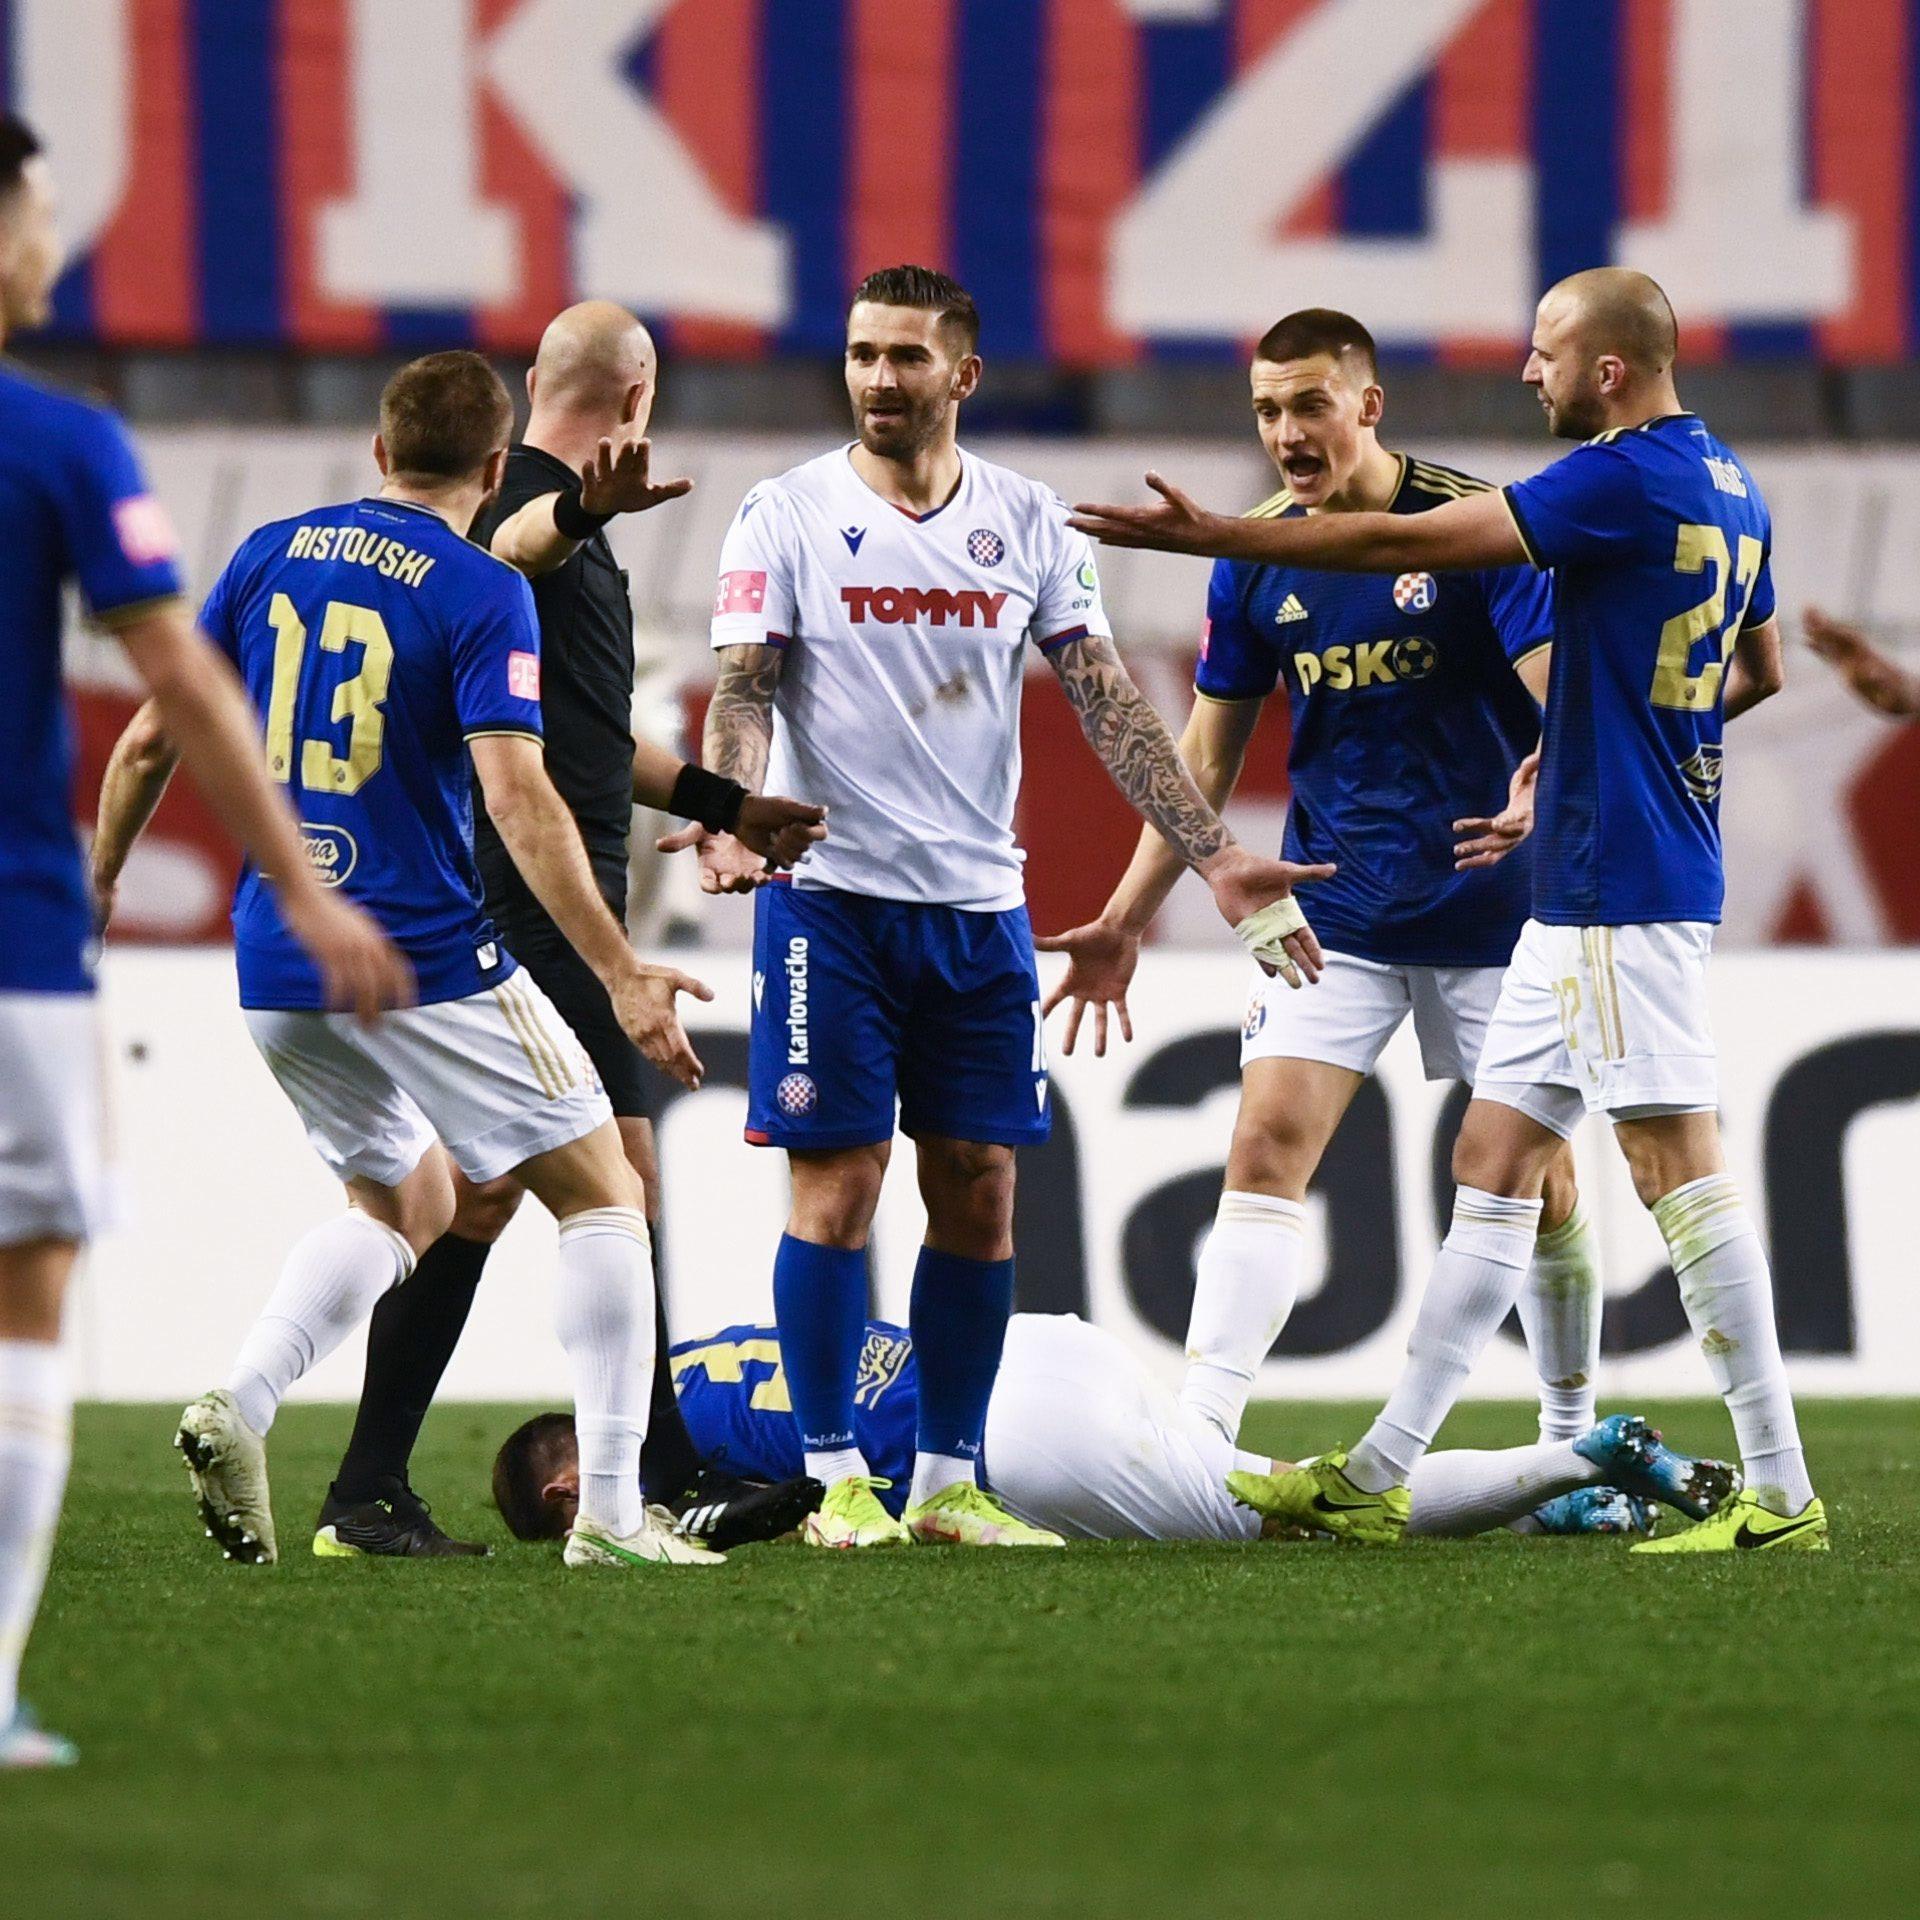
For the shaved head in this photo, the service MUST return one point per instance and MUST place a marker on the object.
(1602, 353)
(1615, 310)
(591, 357)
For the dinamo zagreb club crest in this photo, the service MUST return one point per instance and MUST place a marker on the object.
(1414, 592)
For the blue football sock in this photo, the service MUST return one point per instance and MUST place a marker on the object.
(959, 1323)
(820, 1301)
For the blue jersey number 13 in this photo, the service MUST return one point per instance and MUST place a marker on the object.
(357, 698)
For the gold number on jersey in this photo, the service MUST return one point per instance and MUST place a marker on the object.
(1697, 548)
(358, 698)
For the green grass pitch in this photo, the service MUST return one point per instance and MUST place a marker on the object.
(1492, 1727)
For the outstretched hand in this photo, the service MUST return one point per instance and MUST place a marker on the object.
(618, 479)
(1174, 524)
(1247, 884)
(1101, 957)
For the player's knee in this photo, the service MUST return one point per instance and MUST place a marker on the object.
(1500, 1151)
(835, 1194)
(1561, 1192)
(968, 1189)
(1667, 1152)
(482, 1212)
(1274, 1153)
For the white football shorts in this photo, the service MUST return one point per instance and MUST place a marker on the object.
(54, 1182)
(1082, 1439)
(1606, 1020)
(498, 1076)
(1356, 1007)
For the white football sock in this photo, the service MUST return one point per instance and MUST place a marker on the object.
(838, 1463)
(1560, 1315)
(35, 1444)
(333, 1280)
(605, 1317)
(935, 1472)
(1246, 1284)
(1476, 1279)
(1461, 1492)
(1727, 1289)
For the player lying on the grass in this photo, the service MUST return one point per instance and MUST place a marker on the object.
(1873, 677)
(1083, 1441)
(1415, 708)
(583, 460)
(1664, 626)
(383, 647)
(872, 619)
(75, 511)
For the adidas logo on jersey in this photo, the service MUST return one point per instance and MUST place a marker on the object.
(1289, 609)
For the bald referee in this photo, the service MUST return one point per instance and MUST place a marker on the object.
(584, 460)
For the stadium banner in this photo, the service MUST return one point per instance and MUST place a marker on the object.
(1821, 1099)
(1822, 804)
(1111, 177)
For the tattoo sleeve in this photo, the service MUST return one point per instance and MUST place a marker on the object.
(739, 731)
(1130, 737)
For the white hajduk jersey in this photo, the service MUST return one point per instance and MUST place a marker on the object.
(899, 699)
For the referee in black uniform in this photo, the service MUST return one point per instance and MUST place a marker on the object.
(583, 460)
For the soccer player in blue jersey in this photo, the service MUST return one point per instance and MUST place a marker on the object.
(1659, 543)
(74, 507)
(384, 648)
(1415, 707)
(1085, 1442)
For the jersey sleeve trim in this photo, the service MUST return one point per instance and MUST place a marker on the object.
(1226, 699)
(127, 612)
(504, 733)
(1058, 640)
(1539, 646)
(1520, 527)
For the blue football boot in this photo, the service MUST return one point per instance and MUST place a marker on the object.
(1637, 1461)
(1596, 1510)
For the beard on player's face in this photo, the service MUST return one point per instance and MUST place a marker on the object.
(896, 422)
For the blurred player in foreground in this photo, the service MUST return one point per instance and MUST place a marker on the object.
(1875, 679)
(382, 647)
(872, 618)
(1415, 706)
(1664, 626)
(74, 506)
(1082, 1440)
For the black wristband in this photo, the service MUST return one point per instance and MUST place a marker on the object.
(572, 519)
(711, 798)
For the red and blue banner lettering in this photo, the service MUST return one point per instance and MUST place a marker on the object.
(1112, 178)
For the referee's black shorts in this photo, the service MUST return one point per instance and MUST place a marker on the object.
(633, 1087)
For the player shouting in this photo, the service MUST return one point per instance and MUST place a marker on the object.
(1663, 626)
(74, 507)
(1413, 702)
(873, 611)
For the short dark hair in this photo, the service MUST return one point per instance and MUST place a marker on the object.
(18, 144)
(927, 288)
(441, 416)
(522, 1467)
(1319, 330)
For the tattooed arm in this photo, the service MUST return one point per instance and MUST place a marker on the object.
(735, 745)
(1132, 740)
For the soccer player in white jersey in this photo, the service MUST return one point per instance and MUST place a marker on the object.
(872, 618)
(1660, 545)
(383, 648)
(74, 508)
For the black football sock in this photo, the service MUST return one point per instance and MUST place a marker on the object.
(668, 1463)
(410, 1339)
